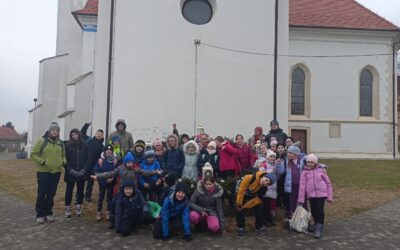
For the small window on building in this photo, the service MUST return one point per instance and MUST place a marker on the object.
(297, 92)
(334, 130)
(366, 93)
(197, 11)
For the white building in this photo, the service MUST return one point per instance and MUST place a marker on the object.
(334, 71)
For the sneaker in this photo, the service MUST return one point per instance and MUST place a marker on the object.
(240, 231)
(78, 210)
(50, 218)
(98, 216)
(40, 220)
(261, 231)
(67, 213)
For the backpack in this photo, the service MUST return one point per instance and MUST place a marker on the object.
(44, 144)
(245, 172)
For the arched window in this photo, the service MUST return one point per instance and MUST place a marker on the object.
(298, 92)
(366, 93)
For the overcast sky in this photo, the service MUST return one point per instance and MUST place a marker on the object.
(28, 34)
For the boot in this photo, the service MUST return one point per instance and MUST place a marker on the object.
(78, 210)
(318, 231)
(67, 212)
(311, 228)
(98, 216)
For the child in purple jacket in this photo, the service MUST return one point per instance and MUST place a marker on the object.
(316, 185)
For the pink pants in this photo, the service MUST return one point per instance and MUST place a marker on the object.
(212, 221)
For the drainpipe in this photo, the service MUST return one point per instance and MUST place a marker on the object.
(110, 61)
(276, 60)
(394, 99)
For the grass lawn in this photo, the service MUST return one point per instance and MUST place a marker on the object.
(358, 185)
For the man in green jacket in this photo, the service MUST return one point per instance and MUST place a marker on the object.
(125, 137)
(49, 155)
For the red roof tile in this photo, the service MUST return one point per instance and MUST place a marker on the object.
(9, 134)
(346, 14)
(91, 8)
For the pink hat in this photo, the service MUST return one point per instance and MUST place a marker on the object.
(157, 142)
(312, 158)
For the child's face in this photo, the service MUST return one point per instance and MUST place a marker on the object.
(116, 142)
(180, 195)
(129, 164)
(281, 149)
(272, 158)
(209, 185)
(99, 135)
(191, 148)
(264, 181)
(263, 149)
(108, 152)
(291, 156)
(185, 139)
(171, 142)
(273, 148)
(311, 164)
(54, 132)
(128, 191)
(139, 149)
(150, 160)
(74, 136)
(289, 142)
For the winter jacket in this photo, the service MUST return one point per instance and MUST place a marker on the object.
(315, 183)
(118, 151)
(149, 167)
(95, 149)
(174, 160)
(249, 193)
(125, 138)
(292, 173)
(52, 157)
(229, 158)
(104, 165)
(78, 158)
(171, 209)
(190, 169)
(245, 156)
(211, 202)
(160, 157)
(205, 157)
(126, 207)
(279, 135)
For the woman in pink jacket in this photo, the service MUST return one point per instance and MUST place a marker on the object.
(228, 158)
(316, 185)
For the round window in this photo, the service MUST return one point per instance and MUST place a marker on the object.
(197, 11)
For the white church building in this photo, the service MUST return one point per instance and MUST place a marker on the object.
(323, 68)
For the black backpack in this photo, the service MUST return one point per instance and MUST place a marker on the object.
(246, 171)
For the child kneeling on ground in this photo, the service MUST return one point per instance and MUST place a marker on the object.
(206, 203)
(316, 185)
(131, 209)
(175, 210)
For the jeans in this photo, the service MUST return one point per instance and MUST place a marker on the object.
(103, 190)
(80, 184)
(47, 188)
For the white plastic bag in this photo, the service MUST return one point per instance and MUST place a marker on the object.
(300, 219)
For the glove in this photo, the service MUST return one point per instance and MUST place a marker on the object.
(188, 237)
(82, 172)
(165, 238)
(73, 173)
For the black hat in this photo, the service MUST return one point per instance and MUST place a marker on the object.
(274, 122)
(170, 178)
(140, 143)
(108, 147)
(181, 187)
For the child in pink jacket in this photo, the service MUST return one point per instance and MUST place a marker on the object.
(315, 183)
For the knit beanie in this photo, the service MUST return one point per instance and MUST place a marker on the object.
(181, 187)
(312, 158)
(270, 153)
(212, 144)
(274, 122)
(54, 125)
(108, 147)
(140, 143)
(170, 179)
(129, 157)
(149, 154)
(115, 138)
(294, 150)
(271, 177)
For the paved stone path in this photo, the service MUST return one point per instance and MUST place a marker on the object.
(377, 228)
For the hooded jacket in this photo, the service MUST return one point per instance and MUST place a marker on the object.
(229, 158)
(172, 209)
(315, 183)
(124, 136)
(52, 157)
(78, 158)
(211, 201)
(190, 169)
(174, 159)
(149, 167)
(126, 207)
(106, 164)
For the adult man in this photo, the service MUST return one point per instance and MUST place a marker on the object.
(125, 137)
(95, 146)
(276, 133)
(49, 155)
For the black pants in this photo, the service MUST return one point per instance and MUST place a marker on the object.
(80, 184)
(267, 211)
(103, 191)
(153, 192)
(317, 209)
(89, 188)
(47, 188)
(258, 214)
(129, 224)
(157, 228)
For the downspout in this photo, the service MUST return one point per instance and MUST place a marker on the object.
(276, 60)
(394, 99)
(110, 61)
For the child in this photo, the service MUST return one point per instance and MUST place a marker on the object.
(106, 163)
(269, 199)
(273, 145)
(174, 160)
(250, 188)
(131, 209)
(118, 151)
(206, 204)
(159, 151)
(245, 154)
(191, 152)
(280, 151)
(175, 209)
(316, 185)
(151, 185)
(210, 155)
(138, 150)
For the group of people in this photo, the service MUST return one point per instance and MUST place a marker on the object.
(146, 184)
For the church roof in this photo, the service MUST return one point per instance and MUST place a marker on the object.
(9, 134)
(341, 14)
